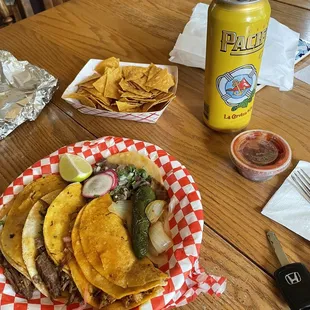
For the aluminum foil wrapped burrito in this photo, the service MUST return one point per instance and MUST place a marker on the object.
(24, 91)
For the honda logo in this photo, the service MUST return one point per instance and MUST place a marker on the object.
(293, 278)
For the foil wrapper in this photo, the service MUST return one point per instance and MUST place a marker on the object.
(24, 91)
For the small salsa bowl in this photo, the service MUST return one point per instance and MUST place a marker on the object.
(259, 155)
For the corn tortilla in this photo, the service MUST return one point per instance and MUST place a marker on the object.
(32, 229)
(139, 161)
(94, 277)
(58, 218)
(114, 245)
(11, 236)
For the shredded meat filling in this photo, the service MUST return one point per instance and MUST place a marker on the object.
(102, 298)
(136, 298)
(54, 278)
(19, 282)
(160, 191)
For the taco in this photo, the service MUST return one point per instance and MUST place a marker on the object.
(139, 161)
(16, 213)
(31, 232)
(104, 292)
(45, 261)
(133, 170)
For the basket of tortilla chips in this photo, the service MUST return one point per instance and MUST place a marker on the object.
(127, 236)
(130, 91)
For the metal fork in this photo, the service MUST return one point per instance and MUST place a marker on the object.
(302, 182)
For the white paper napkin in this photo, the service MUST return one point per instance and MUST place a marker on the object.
(277, 67)
(289, 207)
(304, 75)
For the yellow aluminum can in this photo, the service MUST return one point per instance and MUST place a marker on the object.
(235, 43)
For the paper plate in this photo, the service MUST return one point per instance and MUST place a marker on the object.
(187, 279)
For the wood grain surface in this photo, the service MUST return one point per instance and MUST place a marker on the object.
(305, 4)
(62, 39)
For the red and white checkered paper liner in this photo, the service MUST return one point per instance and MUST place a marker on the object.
(89, 69)
(187, 279)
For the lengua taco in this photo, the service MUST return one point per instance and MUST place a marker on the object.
(96, 237)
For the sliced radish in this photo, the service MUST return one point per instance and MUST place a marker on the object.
(114, 176)
(97, 186)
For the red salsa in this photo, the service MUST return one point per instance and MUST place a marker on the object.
(261, 149)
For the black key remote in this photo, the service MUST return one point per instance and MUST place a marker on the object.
(293, 279)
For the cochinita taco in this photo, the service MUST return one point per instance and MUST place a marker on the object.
(99, 241)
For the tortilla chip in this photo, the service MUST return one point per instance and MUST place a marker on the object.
(56, 224)
(164, 97)
(112, 86)
(11, 236)
(133, 72)
(129, 88)
(101, 106)
(152, 70)
(101, 83)
(82, 98)
(94, 92)
(111, 62)
(136, 100)
(140, 83)
(128, 94)
(88, 82)
(125, 106)
(155, 92)
(162, 81)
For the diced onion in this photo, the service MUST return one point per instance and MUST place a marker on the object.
(121, 208)
(154, 210)
(160, 240)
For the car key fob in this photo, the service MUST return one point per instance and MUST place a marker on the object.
(293, 279)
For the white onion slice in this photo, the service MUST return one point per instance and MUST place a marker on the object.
(165, 220)
(151, 250)
(154, 210)
(160, 240)
(159, 260)
(121, 208)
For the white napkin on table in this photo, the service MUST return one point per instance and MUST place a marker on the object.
(289, 206)
(304, 75)
(277, 67)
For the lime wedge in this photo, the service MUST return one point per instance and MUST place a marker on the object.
(73, 168)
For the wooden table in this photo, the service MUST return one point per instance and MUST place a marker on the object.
(62, 39)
